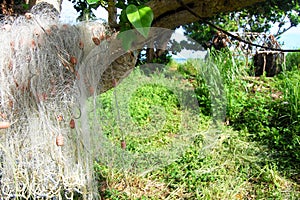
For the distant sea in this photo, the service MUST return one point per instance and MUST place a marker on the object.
(180, 60)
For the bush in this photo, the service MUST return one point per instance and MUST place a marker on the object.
(274, 122)
(267, 109)
(191, 72)
(293, 61)
(288, 113)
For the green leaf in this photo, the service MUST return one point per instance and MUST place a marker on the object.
(90, 2)
(121, 5)
(140, 17)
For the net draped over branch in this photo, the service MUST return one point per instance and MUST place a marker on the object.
(47, 73)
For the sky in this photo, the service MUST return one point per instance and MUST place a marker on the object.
(290, 39)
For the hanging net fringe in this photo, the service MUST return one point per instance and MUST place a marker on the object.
(47, 73)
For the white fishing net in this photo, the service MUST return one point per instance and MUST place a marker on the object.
(45, 80)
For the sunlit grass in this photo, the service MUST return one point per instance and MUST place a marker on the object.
(253, 156)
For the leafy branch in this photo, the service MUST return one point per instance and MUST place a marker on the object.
(139, 17)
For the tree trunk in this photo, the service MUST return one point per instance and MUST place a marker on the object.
(112, 13)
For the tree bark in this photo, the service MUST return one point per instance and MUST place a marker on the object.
(170, 14)
(11, 8)
(112, 13)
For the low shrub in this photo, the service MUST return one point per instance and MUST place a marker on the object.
(292, 61)
(267, 109)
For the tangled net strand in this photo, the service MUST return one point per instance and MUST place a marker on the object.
(45, 80)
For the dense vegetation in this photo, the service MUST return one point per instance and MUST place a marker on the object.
(257, 155)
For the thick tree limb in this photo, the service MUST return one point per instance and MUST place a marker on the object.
(170, 14)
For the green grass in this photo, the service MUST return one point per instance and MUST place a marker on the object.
(254, 154)
(232, 169)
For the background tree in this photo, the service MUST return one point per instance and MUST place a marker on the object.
(252, 19)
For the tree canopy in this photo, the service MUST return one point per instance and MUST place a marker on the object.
(250, 15)
(283, 14)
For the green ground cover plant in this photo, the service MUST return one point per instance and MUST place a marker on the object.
(256, 155)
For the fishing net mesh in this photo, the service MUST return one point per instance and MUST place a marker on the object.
(46, 77)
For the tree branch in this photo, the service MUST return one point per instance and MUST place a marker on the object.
(112, 13)
(171, 14)
(230, 34)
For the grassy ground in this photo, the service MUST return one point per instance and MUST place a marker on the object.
(254, 154)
